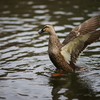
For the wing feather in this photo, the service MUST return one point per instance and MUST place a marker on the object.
(92, 39)
(72, 49)
(88, 26)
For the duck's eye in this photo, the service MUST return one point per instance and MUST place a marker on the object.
(44, 29)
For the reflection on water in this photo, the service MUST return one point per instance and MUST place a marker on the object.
(25, 68)
(71, 87)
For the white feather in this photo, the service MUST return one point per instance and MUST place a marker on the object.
(66, 55)
(73, 48)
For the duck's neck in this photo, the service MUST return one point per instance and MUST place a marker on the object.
(54, 42)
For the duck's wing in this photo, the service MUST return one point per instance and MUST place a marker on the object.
(88, 26)
(72, 49)
(92, 39)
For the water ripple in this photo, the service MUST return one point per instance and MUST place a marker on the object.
(41, 11)
(25, 68)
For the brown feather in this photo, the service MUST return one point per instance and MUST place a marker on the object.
(95, 36)
(92, 39)
(73, 48)
(88, 26)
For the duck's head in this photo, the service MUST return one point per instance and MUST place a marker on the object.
(48, 28)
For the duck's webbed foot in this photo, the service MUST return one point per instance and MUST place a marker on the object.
(58, 72)
(75, 67)
(80, 68)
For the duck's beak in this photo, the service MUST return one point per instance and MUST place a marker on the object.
(40, 32)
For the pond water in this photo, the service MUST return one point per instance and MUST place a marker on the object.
(25, 68)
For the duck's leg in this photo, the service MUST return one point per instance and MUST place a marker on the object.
(77, 67)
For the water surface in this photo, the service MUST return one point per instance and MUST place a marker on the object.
(25, 68)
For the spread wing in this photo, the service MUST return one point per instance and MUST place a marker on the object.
(73, 48)
(88, 26)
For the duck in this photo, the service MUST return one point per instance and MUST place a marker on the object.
(64, 55)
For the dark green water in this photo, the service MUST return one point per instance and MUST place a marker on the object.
(25, 68)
